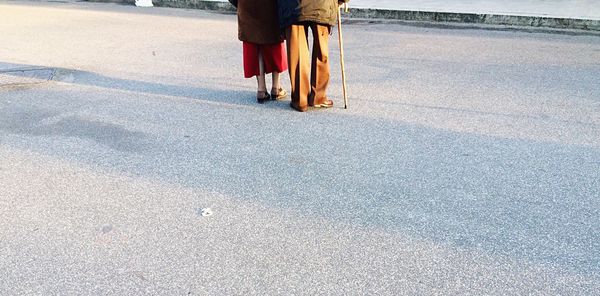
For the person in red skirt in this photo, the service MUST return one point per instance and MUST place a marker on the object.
(264, 50)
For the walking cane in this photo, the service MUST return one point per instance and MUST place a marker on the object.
(341, 42)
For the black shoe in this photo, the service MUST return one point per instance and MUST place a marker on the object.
(262, 96)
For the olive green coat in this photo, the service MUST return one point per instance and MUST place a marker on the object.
(318, 11)
(258, 21)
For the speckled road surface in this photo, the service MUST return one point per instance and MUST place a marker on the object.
(467, 164)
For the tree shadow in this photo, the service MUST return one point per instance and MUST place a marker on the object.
(86, 78)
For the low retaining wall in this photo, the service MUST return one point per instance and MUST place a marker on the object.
(417, 16)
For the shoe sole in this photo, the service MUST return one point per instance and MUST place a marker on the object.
(322, 106)
(298, 109)
(278, 98)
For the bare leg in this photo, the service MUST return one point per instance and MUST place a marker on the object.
(277, 93)
(261, 95)
(262, 85)
(275, 77)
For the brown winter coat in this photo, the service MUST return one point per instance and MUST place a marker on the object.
(258, 22)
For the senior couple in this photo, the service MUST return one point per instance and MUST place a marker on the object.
(260, 27)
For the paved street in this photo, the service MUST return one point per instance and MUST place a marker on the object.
(468, 162)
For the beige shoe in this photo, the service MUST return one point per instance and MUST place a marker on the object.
(278, 94)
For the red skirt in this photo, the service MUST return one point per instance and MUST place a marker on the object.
(274, 58)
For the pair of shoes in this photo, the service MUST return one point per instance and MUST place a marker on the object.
(262, 96)
(326, 104)
(298, 108)
(278, 93)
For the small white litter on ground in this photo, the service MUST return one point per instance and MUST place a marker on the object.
(206, 212)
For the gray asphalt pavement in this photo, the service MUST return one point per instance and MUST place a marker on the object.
(467, 164)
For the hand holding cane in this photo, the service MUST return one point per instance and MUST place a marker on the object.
(341, 42)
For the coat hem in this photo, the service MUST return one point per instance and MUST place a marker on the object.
(315, 20)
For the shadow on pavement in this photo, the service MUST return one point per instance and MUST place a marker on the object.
(521, 199)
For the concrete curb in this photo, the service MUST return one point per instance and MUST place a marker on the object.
(473, 18)
(196, 4)
(25, 75)
(414, 16)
